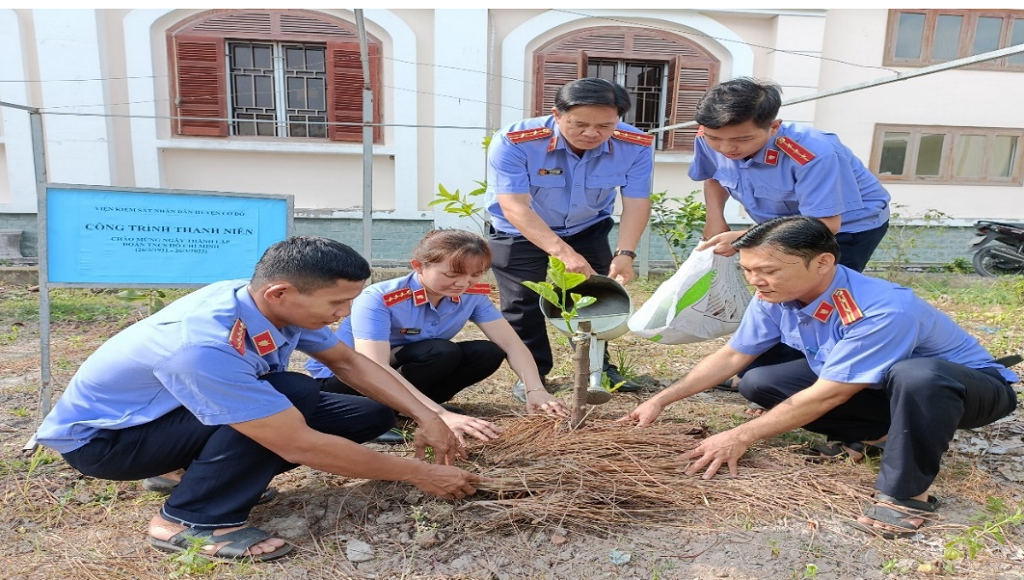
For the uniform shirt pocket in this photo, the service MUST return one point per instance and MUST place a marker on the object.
(775, 202)
(601, 189)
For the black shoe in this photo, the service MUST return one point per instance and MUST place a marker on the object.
(389, 437)
(453, 409)
(618, 382)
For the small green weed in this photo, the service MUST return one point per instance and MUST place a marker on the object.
(991, 527)
(626, 363)
(191, 561)
(21, 412)
(11, 336)
(810, 571)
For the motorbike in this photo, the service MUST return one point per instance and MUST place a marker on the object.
(998, 248)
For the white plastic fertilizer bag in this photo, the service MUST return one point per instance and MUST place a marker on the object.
(705, 299)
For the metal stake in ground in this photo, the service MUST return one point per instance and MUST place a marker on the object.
(581, 365)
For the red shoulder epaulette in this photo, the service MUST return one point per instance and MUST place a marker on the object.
(529, 134)
(644, 139)
(396, 297)
(794, 150)
(849, 312)
(237, 336)
(481, 288)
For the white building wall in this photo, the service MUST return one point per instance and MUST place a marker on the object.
(18, 193)
(71, 79)
(460, 84)
(962, 97)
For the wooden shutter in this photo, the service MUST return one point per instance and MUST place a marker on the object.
(345, 90)
(200, 86)
(550, 73)
(688, 82)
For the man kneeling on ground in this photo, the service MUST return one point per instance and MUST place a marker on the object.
(880, 364)
(204, 385)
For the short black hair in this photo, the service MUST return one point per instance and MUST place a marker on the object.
(310, 263)
(738, 101)
(593, 91)
(796, 235)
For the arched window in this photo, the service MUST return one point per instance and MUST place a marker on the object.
(666, 74)
(272, 73)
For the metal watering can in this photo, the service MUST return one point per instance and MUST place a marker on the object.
(608, 318)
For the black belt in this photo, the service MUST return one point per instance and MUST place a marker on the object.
(585, 232)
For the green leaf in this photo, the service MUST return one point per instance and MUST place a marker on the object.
(556, 271)
(546, 290)
(572, 280)
(583, 301)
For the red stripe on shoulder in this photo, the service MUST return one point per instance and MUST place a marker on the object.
(529, 135)
(794, 150)
(644, 139)
(396, 297)
(482, 288)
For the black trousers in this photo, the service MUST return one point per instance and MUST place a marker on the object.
(854, 252)
(439, 368)
(516, 259)
(225, 471)
(921, 402)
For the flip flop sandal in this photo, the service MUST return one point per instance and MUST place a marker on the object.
(239, 541)
(891, 521)
(853, 450)
(728, 386)
(165, 485)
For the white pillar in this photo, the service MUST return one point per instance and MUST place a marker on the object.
(460, 100)
(70, 74)
(795, 64)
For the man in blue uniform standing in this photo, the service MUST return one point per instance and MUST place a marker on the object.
(552, 183)
(203, 385)
(880, 366)
(774, 168)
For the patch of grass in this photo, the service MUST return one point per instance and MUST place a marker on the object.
(991, 527)
(78, 305)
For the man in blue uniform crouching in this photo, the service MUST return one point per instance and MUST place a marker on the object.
(880, 364)
(204, 385)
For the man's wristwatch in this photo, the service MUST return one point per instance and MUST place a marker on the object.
(629, 253)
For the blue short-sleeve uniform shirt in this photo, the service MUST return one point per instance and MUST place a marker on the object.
(887, 323)
(568, 191)
(772, 183)
(385, 312)
(205, 351)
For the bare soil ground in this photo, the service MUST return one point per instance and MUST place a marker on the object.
(58, 524)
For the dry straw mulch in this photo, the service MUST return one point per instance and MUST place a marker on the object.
(608, 474)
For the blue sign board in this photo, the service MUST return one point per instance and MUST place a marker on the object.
(106, 236)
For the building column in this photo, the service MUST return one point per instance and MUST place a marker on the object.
(798, 40)
(460, 100)
(71, 75)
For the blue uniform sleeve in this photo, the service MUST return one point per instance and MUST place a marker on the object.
(316, 340)
(217, 385)
(703, 165)
(370, 318)
(639, 176)
(870, 346)
(508, 167)
(484, 311)
(826, 185)
(758, 330)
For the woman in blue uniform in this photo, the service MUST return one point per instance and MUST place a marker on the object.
(406, 325)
